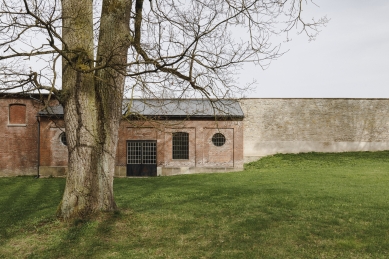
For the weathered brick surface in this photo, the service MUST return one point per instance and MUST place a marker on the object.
(270, 126)
(203, 155)
(19, 142)
(52, 151)
(219, 156)
(322, 125)
(18, 136)
(17, 114)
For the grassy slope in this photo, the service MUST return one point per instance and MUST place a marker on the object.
(284, 206)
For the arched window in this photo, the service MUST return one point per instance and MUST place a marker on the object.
(17, 114)
(180, 145)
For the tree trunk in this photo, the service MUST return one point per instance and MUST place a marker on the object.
(92, 103)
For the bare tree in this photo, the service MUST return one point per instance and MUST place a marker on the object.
(158, 47)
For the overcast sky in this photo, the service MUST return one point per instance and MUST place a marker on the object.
(349, 58)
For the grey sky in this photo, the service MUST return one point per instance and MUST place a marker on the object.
(350, 57)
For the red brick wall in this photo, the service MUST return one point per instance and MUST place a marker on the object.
(19, 140)
(217, 156)
(18, 136)
(52, 151)
(17, 114)
(202, 152)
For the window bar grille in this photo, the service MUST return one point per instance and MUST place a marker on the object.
(141, 153)
(149, 155)
(180, 145)
(218, 139)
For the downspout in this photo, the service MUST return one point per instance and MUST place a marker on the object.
(39, 145)
(39, 138)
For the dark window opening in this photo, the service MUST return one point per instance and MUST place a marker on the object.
(180, 145)
(63, 139)
(218, 139)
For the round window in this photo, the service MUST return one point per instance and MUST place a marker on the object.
(62, 137)
(218, 139)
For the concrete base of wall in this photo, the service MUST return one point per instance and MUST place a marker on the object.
(52, 171)
(166, 171)
(248, 159)
(120, 171)
(256, 150)
(12, 173)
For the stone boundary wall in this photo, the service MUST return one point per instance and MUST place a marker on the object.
(274, 126)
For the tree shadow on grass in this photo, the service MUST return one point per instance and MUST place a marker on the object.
(180, 209)
(28, 207)
(25, 199)
(83, 238)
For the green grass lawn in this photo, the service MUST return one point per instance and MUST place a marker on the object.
(284, 206)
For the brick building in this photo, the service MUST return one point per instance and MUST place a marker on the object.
(164, 137)
(18, 134)
(156, 137)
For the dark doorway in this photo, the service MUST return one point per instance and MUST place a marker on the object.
(141, 158)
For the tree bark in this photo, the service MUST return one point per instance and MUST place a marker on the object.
(92, 103)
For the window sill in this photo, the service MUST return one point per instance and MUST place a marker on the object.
(17, 125)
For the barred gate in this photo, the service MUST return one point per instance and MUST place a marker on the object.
(141, 158)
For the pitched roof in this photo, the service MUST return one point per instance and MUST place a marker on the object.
(172, 108)
(52, 110)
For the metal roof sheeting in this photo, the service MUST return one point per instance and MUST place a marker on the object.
(173, 108)
(52, 110)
